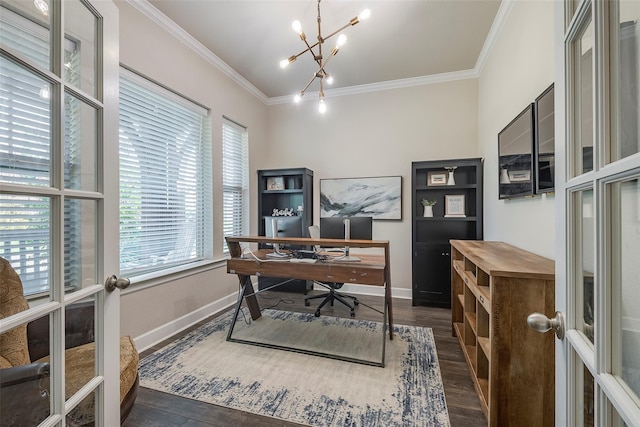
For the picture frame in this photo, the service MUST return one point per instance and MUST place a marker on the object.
(377, 197)
(454, 205)
(275, 183)
(520, 175)
(436, 178)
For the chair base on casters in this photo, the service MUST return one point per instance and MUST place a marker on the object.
(330, 297)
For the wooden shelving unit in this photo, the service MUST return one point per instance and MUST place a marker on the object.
(494, 287)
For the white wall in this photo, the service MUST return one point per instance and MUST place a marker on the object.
(152, 51)
(519, 67)
(376, 134)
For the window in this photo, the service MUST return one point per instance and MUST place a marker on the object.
(26, 167)
(165, 177)
(234, 179)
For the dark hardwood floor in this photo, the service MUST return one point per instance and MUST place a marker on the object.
(153, 408)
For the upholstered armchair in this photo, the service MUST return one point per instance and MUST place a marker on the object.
(24, 360)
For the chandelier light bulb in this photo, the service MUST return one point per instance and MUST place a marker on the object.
(364, 15)
(45, 93)
(342, 39)
(329, 79)
(297, 98)
(42, 6)
(284, 63)
(297, 26)
(322, 107)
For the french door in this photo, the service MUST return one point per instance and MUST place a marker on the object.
(59, 185)
(598, 212)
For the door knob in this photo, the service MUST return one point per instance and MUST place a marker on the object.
(114, 282)
(541, 323)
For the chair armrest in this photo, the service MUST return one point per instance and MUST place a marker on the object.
(24, 394)
(23, 373)
(79, 330)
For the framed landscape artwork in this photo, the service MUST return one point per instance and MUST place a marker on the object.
(377, 197)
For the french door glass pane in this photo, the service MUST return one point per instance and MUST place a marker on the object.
(80, 243)
(25, 29)
(80, 63)
(585, 393)
(583, 102)
(626, 80)
(25, 118)
(80, 144)
(13, 393)
(80, 365)
(585, 275)
(628, 254)
(25, 239)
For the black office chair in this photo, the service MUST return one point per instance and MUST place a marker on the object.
(332, 295)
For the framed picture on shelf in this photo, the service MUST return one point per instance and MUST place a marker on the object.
(275, 183)
(454, 206)
(519, 176)
(436, 178)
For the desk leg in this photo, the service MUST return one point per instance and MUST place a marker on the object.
(389, 308)
(252, 303)
(252, 300)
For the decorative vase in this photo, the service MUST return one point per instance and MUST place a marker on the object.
(451, 180)
(504, 177)
(428, 211)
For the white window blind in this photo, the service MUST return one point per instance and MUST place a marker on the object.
(165, 177)
(234, 179)
(25, 156)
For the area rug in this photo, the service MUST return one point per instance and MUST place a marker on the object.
(302, 388)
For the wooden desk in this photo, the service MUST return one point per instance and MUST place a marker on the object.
(371, 270)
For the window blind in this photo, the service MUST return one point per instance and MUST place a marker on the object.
(234, 179)
(165, 177)
(25, 152)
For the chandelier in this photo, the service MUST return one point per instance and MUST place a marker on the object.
(322, 62)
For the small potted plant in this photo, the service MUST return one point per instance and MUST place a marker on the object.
(428, 207)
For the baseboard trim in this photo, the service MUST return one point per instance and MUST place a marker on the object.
(161, 333)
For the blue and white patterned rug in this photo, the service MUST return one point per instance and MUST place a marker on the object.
(302, 388)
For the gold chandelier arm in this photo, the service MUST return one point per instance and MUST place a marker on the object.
(320, 39)
(309, 84)
(338, 30)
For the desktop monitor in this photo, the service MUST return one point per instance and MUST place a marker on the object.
(287, 226)
(360, 228)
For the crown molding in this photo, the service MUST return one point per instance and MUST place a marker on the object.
(387, 85)
(496, 28)
(148, 10)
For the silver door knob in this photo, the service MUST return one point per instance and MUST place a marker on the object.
(541, 323)
(114, 282)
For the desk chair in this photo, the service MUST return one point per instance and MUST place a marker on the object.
(332, 295)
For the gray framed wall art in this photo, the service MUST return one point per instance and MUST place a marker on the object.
(377, 197)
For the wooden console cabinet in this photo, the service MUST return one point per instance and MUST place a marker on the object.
(494, 287)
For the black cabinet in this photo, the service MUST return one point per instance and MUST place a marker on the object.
(456, 214)
(431, 269)
(282, 191)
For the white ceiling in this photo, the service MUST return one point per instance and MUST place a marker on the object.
(402, 39)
